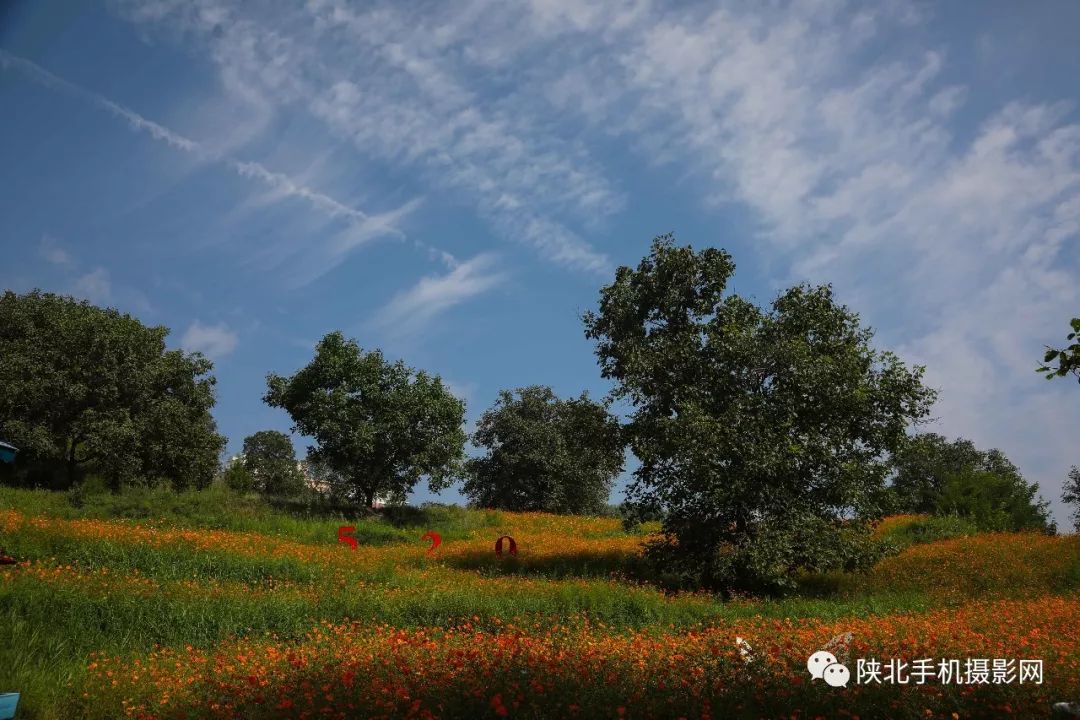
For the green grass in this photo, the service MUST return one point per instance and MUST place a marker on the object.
(930, 529)
(219, 509)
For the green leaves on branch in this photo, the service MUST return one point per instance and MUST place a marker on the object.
(545, 454)
(379, 426)
(1068, 358)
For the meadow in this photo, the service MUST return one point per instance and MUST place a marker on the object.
(207, 604)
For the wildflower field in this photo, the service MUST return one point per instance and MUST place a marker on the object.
(239, 615)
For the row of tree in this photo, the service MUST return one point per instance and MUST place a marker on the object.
(768, 438)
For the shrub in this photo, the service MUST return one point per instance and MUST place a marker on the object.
(926, 528)
(238, 478)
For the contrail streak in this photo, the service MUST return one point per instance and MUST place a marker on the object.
(248, 169)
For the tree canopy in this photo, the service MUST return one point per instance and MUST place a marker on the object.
(933, 475)
(88, 389)
(271, 460)
(545, 454)
(994, 502)
(379, 425)
(760, 431)
(923, 462)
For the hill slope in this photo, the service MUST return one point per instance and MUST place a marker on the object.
(218, 606)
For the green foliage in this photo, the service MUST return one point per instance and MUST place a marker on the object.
(755, 427)
(88, 389)
(1068, 358)
(237, 477)
(774, 557)
(380, 426)
(931, 529)
(545, 454)
(1070, 495)
(271, 460)
(994, 502)
(933, 475)
(921, 464)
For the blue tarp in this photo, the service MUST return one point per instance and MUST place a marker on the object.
(7, 454)
(8, 703)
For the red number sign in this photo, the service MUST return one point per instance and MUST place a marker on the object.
(344, 536)
(435, 539)
(499, 545)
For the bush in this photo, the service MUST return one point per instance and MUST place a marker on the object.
(929, 528)
(238, 478)
(776, 557)
(92, 485)
(994, 502)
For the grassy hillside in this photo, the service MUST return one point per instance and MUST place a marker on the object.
(211, 605)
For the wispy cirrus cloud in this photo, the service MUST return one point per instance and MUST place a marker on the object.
(213, 341)
(53, 252)
(396, 86)
(413, 310)
(94, 286)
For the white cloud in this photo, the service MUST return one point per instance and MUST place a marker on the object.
(213, 341)
(94, 286)
(461, 390)
(54, 253)
(411, 311)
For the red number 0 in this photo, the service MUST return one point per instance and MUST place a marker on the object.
(499, 546)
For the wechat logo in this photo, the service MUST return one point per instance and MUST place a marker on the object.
(823, 666)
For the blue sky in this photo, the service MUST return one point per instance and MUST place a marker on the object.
(454, 182)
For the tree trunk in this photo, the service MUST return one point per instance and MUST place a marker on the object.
(369, 498)
(71, 462)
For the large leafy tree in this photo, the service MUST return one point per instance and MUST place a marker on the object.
(271, 460)
(762, 432)
(91, 389)
(545, 454)
(933, 475)
(379, 425)
(1068, 357)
